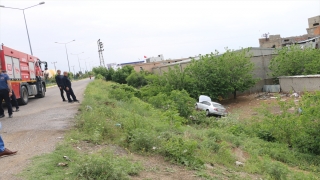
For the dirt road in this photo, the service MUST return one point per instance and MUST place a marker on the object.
(36, 128)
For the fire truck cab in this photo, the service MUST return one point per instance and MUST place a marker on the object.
(25, 72)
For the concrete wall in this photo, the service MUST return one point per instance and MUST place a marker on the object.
(300, 83)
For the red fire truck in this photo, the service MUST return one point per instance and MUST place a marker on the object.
(25, 72)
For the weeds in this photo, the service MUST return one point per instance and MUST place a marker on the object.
(150, 129)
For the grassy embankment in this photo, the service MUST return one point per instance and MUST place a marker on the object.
(139, 128)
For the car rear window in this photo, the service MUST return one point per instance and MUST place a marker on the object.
(217, 105)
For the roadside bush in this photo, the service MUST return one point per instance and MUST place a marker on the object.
(161, 101)
(183, 102)
(224, 154)
(182, 151)
(99, 76)
(265, 135)
(100, 70)
(106, 167)
(120, 75)
(123, 92)
(142, 140)
(211, 144)
(120, 94)
(176, 100)
(275, 170)
(137, 79)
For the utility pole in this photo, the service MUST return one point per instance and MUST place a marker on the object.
(54, 63)
(74, 74)
(100, 49)
(86, 66)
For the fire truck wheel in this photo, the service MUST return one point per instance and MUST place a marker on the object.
(24, 96)
(43, 94)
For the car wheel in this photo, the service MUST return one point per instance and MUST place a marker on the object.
(207, 113)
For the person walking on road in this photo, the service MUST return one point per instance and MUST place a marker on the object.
(13, 98)
(4, 151)
(67, 84)
(59, 82)
(5, 93)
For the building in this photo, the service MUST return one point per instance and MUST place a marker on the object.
(155, 59)
(276, 41)
(149, 66)
(129, 63)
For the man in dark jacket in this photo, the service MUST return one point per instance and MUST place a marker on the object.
(13, 98)
(67, 85)
(59, 82)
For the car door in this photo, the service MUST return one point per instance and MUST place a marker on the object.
(201, 105)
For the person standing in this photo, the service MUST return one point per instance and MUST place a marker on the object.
(13, 98)
(5, 93)
(67, 85)
(4, 151)
(59, 82)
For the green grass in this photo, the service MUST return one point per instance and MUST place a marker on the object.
(143, 129)
(101, 165)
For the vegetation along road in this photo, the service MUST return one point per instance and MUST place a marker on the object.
(36, 128)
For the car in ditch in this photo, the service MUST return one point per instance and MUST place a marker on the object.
(211, 108)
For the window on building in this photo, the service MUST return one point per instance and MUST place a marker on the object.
(286, 40)
(316, 24)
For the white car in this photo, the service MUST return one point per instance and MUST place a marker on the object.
(211, 108)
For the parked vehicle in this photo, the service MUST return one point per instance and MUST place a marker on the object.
(25, 72)
(211, 108)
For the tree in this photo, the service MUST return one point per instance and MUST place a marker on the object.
(219, 75)
(120, 75)
(100, 70)
(239, 70)
(109, 74)
(294, 60)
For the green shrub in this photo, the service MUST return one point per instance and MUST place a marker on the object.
(161, 101)
(123, 92)
(99, 76)
(300, 131)
(182, 151)
(275, 170)
(137, 79)
(106, 167)
(182, 102)
(120, 75)
(265, 135)
(142, 140)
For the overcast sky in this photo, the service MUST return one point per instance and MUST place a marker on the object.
(132, 29)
